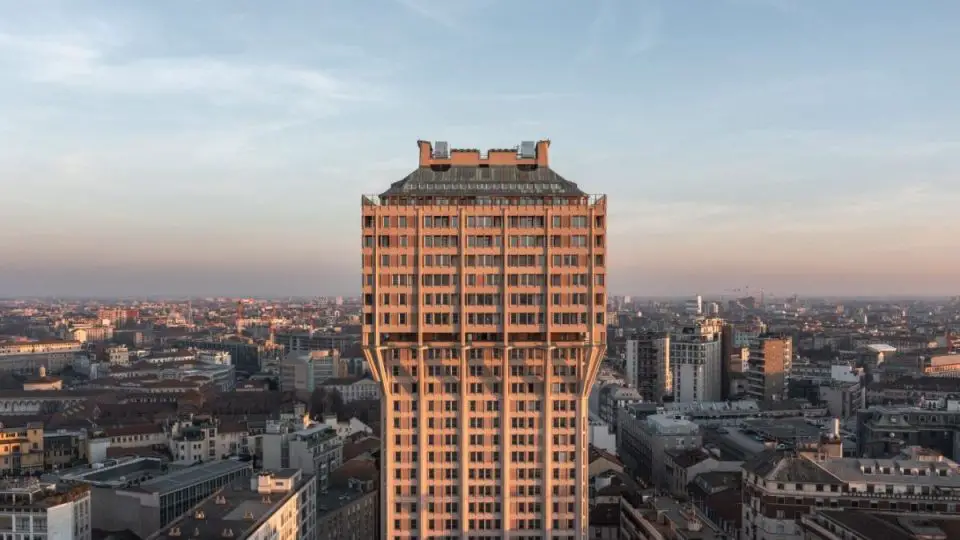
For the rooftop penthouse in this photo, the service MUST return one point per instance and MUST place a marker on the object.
(24, 494)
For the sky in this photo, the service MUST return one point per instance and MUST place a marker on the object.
(221, 147)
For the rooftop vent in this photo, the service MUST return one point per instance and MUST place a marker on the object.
(221, 499)
(266, 499)
(227, 533)
(175, 531)
(200, 515)
(528, 150)
(248, 515)
(441, 150)
(196, 533)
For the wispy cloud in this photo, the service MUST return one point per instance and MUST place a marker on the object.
(648, 30)
(434, 11)
(621, 28)
(786, 7)
(81, 64)
(514, 96)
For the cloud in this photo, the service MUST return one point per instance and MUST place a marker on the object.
(647, 31)
(435, 11)
(82, 63)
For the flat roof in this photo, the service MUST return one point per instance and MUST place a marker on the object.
(235, 507)
(193, 475)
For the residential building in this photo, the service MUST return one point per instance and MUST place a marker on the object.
(768, 368)
(316, 449)
(683, 465)
(642, 442)
(826, 524)
(648, 365)
(354, 388)
(886, 431)
(612, 398)
(272, 505)
(696, 359)
(33, 509)
(27, 357)
(21, 448)
(484, 320)
(781, 488)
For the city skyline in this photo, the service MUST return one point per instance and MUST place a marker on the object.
(788, 145)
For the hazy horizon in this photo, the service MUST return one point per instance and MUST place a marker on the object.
(220, 149)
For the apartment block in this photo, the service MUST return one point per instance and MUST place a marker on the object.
(648, 366)
(484, 320)
(696, 360)
(768, 368)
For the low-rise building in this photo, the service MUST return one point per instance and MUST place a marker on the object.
(781, 488)
(275, 505)
(353, 388)
(30, 509)
(154, 500)
(21, 448)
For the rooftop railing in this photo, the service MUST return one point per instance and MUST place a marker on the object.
(530, 200)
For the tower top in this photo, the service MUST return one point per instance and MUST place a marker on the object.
(530, 153)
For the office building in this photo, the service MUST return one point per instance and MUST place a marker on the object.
(648, 365)
(768, 368)
(30, 509)
(275, 505)
(696, 359)
(484, 292)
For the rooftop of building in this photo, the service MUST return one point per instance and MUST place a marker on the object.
(333, 499)
(232, 512)
(116, 472)
(688, 457)
(445, 171)
(668, 424)
(31, 493)
(605, 515)
(597, 453)
(788, 467)
(189, 476)
(892, 526)
(682, 520)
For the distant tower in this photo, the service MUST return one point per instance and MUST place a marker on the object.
(239, 317)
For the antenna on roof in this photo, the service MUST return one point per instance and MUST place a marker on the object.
(441, 150)
(528, 150)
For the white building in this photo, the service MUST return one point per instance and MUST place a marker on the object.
(221, 358)
(354, 388)
(316, 450)
(696, 360)
(276, 505)
(32, 509)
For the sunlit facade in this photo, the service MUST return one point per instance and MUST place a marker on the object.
(484, 285)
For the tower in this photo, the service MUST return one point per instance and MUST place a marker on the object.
(484, 300)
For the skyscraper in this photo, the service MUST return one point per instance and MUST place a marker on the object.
(484, 287)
